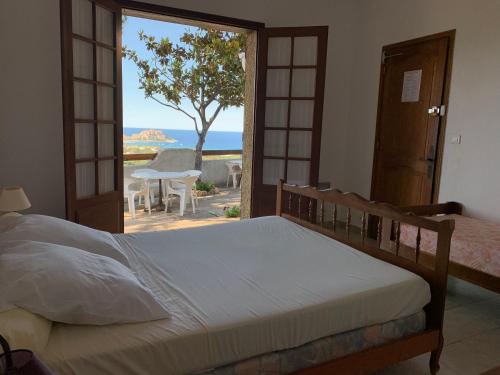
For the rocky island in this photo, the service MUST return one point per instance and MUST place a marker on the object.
(150, 135)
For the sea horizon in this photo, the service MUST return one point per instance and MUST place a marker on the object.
(215, 140)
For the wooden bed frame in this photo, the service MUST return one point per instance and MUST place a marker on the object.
(458, 270)
(320, 210)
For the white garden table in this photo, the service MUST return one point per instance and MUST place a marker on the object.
(148, 175)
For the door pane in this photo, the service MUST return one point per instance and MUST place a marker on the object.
(273, 171)
(276, 113)
(104, 26)
(301, 113)
(105, 108)
(277, 82)
(84, 100)
(85, 180)
(303, 82)
(105, 65)
(305, 50)
(84, 141)
(83, 59)
(279, 51)
(82, 17)
(106, 140)
(106, 176)
(298, 172)
(299, 144)
(275, 143)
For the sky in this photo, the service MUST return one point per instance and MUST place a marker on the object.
(139, 112)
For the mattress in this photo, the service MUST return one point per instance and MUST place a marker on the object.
(237, 291)
(325, 349)
(474, 244)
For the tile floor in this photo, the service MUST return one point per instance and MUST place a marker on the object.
(210, 210)
(471, 333)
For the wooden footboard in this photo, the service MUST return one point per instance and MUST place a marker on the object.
(344, 217)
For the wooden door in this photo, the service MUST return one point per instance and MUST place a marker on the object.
(412, 105)
(91, 62)
(289, 109)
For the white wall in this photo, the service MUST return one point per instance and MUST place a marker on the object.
(31, 148)
(470, 170)
(31, 141)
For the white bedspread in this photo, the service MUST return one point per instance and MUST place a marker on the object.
(238, 290)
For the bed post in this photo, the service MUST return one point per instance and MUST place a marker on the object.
(279, 198)
(446, 228)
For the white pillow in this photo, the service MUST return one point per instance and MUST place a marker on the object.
(69, 285)
(24, 330)
(57, 231)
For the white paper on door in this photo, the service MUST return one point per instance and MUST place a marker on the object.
(411, 86)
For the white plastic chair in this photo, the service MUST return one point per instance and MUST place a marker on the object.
(234, 170)
(136, 187)
(184, 188)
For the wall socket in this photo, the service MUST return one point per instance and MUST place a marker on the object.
(456, 140)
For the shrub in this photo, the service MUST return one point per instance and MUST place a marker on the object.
(205, 186)
(233, 211)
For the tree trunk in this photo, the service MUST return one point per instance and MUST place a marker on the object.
(199, 149)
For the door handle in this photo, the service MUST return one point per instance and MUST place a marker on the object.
(436, 111)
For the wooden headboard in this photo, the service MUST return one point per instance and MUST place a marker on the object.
(373, 228)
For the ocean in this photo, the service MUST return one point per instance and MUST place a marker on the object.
(216, 140)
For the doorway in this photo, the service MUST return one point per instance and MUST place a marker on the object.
(413, 98)
(282, 117)
(178, 118)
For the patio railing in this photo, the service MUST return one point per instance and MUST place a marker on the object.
(151, 156)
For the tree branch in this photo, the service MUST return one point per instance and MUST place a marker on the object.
(177, 108)
(216, 113)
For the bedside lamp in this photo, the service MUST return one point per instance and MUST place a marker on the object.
(13, 198)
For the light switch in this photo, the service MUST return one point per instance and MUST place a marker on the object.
(456, 140)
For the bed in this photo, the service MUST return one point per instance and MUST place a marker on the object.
(283, 294)
(475, 245)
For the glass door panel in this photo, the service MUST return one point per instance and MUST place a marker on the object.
(104, 26)
(106, 176)
(305, 50)
(85, 180)
(82, 18)
(83, 59)
(274, 170)
(106, 103)
(106, 139)
(301, 113)
(84, 141)
(278, 53)
(276, 113)
(299, 144)
(298, 172)
(84, 100)
(278, 82)
(105, 65)
(303, 83)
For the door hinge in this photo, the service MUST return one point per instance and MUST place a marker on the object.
(436, 111)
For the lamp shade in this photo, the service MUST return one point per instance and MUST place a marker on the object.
(13, 198)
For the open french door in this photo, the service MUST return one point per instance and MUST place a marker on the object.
(92, 107)
(289, 109)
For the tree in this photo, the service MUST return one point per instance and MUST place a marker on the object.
(203, 70)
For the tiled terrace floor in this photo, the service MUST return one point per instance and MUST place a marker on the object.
(210, 210)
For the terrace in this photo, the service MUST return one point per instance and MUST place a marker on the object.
(211, 207)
